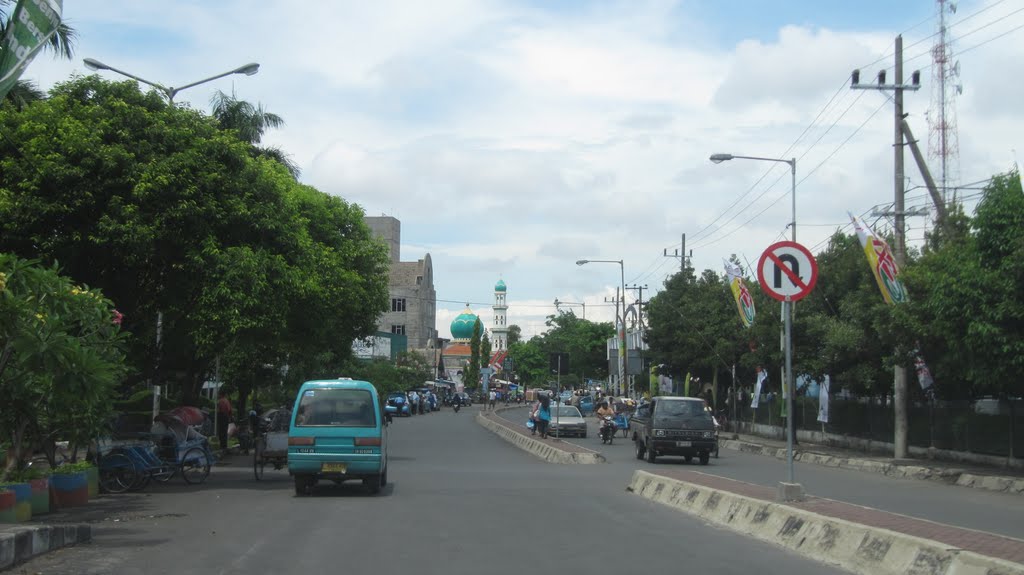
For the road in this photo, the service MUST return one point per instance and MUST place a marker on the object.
(462, 501)
(964, 507)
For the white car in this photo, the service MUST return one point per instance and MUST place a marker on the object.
(566, 420)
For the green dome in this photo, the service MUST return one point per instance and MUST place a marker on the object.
(462, 326)
(500, 286)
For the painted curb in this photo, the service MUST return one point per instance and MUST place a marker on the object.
(852, 546)
(999, 483)
(542, 449)
(19, 544)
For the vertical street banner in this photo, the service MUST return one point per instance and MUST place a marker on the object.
(823, 399)
(924, 375)
(686, 385)
(882, 263)
(762, 375)
(740, 293)
(32, 25)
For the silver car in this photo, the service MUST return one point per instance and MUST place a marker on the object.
(567, 420)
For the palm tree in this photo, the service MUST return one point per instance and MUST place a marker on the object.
(61, 44)
(250, 122)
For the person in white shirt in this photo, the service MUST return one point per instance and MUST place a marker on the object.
(491, 398)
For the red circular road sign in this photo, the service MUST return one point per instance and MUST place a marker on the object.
(787, 270)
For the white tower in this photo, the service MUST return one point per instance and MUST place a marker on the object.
(499, 331)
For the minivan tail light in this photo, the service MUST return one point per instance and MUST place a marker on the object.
(368, 441)
(301, 440)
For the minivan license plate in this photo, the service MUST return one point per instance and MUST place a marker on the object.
(684, 444)
(333, 468)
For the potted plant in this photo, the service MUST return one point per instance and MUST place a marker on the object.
(39, 481)
(69, 484)
(22, 506)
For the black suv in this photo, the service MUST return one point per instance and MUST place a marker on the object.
(674, 426)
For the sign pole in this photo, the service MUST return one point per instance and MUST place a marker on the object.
(789, 386)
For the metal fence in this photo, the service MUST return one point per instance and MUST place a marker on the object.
(983, 427)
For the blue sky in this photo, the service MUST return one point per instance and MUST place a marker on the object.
(514, 138)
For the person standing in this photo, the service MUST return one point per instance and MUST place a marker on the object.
(492, 396)
(543, 415)
(223, 420)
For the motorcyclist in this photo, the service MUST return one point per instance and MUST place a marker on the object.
(604, 410)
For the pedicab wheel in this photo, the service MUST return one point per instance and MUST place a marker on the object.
(117, 473)
(258, 463)
(195, 466)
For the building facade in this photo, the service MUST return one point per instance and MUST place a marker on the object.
(413, 306)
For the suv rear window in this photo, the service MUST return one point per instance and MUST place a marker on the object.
(336, 408)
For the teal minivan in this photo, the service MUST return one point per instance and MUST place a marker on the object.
(339, 431)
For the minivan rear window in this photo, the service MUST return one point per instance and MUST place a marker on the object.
(336, 408)
(679, 408)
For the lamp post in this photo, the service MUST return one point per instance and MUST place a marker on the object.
(620, 329)
(718, 159)
(559, 303)
(170, 91)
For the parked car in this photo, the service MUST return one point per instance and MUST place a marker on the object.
(566, 420)
(338, 432)
(397, 404)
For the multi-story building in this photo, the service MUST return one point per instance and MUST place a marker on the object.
(413, 310)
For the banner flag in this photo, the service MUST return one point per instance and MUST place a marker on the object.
(686, 385)
(762, 376)
(32, 25)
(924, 375)
(882, 263)
(823, 399)
(740, 293)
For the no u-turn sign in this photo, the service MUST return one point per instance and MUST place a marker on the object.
(787, 270)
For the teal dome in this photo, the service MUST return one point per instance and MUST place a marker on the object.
(500, 286)
(462, 326)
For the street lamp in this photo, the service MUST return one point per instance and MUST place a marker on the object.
(620, 329)
(170, 91)
(718, 159)
(558, 303)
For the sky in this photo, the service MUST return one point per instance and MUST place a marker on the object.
(512, 139)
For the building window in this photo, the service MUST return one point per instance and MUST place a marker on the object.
(398, 329)
(398, 304)
(419, 280)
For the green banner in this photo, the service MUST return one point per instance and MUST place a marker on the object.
(33, 24)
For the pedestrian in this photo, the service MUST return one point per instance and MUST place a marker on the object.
(533, 417)
(543, 414)
(492, 396)
(223, 420)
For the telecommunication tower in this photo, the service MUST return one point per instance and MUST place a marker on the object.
(943, 146)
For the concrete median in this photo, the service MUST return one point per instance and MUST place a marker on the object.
(21, 543)
(550, 450)
(853, 546)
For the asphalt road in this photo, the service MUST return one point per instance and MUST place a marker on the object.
(990, 511)
(462, 501)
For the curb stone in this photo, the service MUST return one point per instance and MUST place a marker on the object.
(19, 544)
(544, 450)
(1003, 484)
(852, 546)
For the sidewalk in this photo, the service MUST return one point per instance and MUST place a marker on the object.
(861, 539)
(992, 479)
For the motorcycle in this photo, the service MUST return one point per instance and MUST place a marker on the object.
(456, 405)
(607, 431)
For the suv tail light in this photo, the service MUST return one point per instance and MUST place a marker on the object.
(301, 440)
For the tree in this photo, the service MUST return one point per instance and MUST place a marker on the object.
(166, 213)
(60, 358)
(249, 122)
(471, 375)
(485, 351)
(515, 334)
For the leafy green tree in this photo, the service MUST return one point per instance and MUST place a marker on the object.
(515, 334)
(250, 121)
(531, 362)
(471, 375)
(60, 358)
(166, 213)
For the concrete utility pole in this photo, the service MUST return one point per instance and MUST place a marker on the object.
(681, 254)
(900, 251)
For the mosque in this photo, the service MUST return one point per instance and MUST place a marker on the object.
(456, 353)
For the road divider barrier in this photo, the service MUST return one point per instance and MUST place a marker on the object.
(21, 543)
(546, 449)
(852, 546)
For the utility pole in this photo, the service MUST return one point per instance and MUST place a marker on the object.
(900, 251)
(681, 254)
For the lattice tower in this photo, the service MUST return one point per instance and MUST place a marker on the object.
(943, 144)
